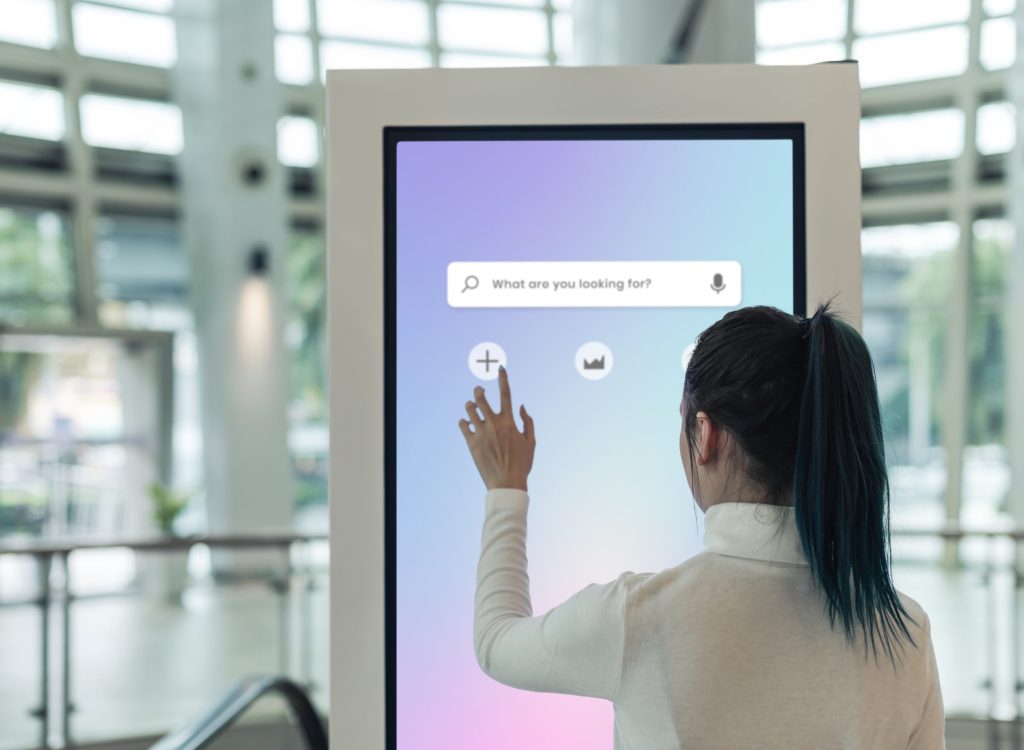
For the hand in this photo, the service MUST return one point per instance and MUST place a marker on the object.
(503, 455)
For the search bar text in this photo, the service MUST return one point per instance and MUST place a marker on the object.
(715, 283)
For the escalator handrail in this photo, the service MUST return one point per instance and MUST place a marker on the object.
(203, 730)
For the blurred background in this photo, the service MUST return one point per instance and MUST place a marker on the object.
(162, 318)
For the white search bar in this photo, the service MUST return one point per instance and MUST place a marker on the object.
(681, 283)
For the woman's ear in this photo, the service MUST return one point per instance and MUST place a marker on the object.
(707, 439)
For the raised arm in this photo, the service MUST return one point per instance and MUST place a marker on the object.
(576, 647)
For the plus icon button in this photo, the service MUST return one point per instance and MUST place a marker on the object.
(485, 359)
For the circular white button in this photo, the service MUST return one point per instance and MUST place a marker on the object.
(594, 360)
(485, 359)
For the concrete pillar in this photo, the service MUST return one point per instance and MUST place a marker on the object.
(1014, 313)
(235, 230)
(138, 384)
(641, 32)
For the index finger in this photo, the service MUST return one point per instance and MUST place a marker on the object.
(506, 393)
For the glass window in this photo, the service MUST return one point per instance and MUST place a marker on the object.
(29, 22)
(986, 468)
(348, 55)
(897, 58)
(920, 136)
(912, 242)
(131, 124)
(565, 36)
(523, 3)
(36, 266)
(786, 22)
(84, 415)
(155, 6)
(18, 579)
(293, 59)
(307, 298)
(298, 143)
(492, 30)
(305, 338)
(124, 35)
(998, 43)
(291, 15)
(990, 261)
(142, 273)
(71, 419)
(878, 16)
(999, 7)
(464, 60)
(32, 111)
(997, 128)
(396, 21)
(143, 282)
(805, 54)
(907, 280)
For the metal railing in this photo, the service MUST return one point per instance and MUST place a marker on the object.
(996, 568)
(988, 568)
(55, 556)
(202, 731)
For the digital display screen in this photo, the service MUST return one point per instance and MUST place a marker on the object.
(586, 260)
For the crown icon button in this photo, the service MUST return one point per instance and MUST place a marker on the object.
(594, 360)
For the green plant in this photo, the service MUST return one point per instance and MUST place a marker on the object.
(36, 268)
(307, 318)
(167, 506)
(19, 373)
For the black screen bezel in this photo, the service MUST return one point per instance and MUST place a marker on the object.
(793, 132)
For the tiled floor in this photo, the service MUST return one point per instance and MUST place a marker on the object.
(141, 666)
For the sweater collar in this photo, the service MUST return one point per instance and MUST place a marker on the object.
(755, 531)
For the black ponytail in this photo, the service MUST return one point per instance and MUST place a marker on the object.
(799, 398)
(841, 489)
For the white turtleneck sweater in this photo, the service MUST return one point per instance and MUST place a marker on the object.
(728, 651)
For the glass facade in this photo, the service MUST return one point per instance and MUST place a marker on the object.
(925, 81)
(91, 241)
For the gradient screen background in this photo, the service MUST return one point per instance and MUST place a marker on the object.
(608, 492)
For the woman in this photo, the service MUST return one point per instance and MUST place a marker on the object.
(787, 631)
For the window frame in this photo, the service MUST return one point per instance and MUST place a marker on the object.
(963, 189)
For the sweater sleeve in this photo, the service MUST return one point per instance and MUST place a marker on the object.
(931, 731)
(575, 648)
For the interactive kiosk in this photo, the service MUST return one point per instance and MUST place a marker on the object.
(580, 226)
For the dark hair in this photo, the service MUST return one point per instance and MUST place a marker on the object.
(798, 396)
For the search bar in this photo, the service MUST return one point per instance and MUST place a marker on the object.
(681, 283)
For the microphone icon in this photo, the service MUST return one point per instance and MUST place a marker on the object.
(717, 284)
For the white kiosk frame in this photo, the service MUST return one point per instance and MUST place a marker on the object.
(360, 104)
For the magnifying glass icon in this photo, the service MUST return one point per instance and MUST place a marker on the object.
(472, 282)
